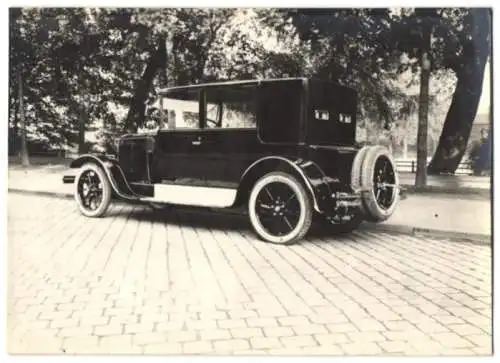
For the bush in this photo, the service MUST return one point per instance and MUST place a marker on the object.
(480, 157)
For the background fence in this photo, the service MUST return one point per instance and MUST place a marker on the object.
(410, 166)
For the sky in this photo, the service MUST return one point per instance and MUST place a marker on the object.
(484, 103)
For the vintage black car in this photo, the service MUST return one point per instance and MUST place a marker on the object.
(284, 149)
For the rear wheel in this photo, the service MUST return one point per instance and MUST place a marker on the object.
(280, 209)
(92, 191)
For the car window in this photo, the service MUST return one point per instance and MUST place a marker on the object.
(180, 109)
(231, 107)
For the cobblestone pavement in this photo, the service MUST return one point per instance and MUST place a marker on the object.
(192, 282)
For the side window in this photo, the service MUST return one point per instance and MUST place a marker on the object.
(180, 109)
(231, 107)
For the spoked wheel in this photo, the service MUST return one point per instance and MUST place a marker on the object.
(379, 181)
(93, 191)
(384, 182)
(280, 209)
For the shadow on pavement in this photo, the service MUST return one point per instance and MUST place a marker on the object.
(235, 221)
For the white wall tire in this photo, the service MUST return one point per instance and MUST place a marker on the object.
(280, 208)
(92, 191)
(356, 167)
(380, 182)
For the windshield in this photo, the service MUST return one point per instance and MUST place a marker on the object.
(179, 109)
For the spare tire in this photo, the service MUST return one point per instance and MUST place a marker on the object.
(376, 176)
(356, 168)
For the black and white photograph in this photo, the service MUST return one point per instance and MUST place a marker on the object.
(245, 181)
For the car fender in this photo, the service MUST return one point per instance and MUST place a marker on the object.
(308, 172)
(113, 171)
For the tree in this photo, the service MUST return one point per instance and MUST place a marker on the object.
(423, 108)
(460, 42)
(19, 115)
(365, 48)
(466, 53)
(24, 147)
(196, 42)
(137, 109)
(351, 46)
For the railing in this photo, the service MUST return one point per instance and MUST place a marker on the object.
(410, 166)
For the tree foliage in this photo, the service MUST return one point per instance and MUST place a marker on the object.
(80, 66)
(370, 48)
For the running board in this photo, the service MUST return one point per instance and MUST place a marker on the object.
(192, 195)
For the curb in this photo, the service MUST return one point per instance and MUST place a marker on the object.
(475, 238)
(41, 193)
(430, 189)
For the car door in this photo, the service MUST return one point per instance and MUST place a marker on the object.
(178, 156)
(230, 142)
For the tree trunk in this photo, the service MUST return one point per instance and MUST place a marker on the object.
(405, 147)
(164, 70)
(22, 122)
(15, 129)
(462, 112)
(81, 131)
(137, 110)
(174, 77)
(423, 112)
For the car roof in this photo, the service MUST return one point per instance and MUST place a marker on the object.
(229, 83)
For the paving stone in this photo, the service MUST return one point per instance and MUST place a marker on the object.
(452, 340)
(197, 347)
(163, 348)
(298, 341)
(280, 331)
(246, 332)
(231, 345)
(366, 348)
(265, 342)
(149, 338)
(134, 283)
(333, 338)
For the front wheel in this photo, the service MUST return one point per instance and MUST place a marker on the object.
(280, 209)
(92, 191)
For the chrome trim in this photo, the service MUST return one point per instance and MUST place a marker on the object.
(292, 164)
(342, 195)
(334, 147)
(347, 203)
